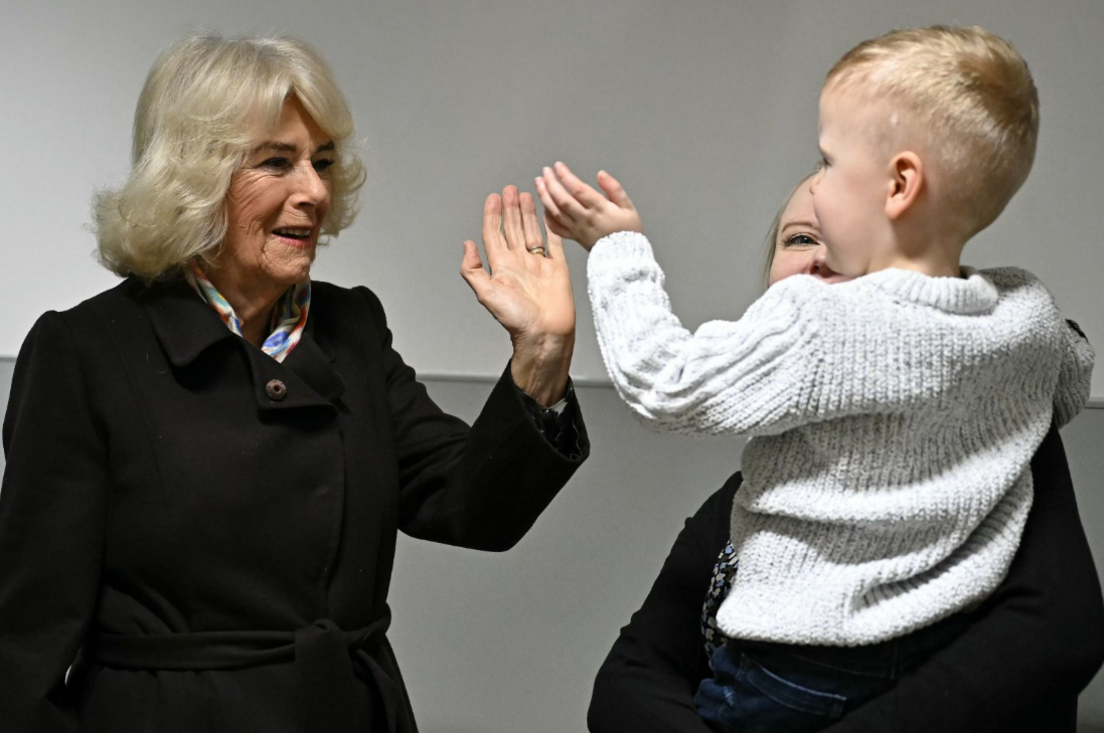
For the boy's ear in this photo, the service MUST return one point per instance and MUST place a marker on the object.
(906, 172)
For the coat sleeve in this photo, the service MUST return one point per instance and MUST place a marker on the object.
(1033, 646)
(51, 529)
(482, 486)
(648, 681)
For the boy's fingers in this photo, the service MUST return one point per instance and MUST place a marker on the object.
(569, 208)
(557, 229)
(550, 208)
(581, 191)
(551, 203)
(613, 190)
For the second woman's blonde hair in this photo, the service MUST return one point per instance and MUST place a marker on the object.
(772, 233)
(206, 101)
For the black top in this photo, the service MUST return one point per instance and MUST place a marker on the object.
(1028, 652)
(215, 530)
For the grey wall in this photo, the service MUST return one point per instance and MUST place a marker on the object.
(706, 109)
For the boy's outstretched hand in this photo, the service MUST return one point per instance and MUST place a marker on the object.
(576, 211)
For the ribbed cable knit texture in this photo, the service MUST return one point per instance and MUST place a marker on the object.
(894, 419)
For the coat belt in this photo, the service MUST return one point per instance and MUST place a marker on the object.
(322, 653)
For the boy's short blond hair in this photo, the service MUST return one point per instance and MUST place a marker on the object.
(970, 98)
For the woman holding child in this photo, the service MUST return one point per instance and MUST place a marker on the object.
(894, 416)
(1017, 667)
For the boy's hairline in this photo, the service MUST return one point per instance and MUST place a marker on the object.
(898, 137)
(882, 67)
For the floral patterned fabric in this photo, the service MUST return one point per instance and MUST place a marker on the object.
(723, 573)
(288, 318)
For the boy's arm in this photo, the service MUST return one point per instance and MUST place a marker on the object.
(1074, 376)
(760, 374)
(730, 376)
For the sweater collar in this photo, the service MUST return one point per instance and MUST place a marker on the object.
(971, 294)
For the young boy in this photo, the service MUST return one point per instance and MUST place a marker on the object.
(894, 416)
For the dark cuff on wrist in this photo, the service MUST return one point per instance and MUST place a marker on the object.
(556, 423)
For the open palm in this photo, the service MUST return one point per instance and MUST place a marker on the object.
(529, 293)
(527, 288)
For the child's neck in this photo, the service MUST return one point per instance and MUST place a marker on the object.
(920, 249)
(931, 266)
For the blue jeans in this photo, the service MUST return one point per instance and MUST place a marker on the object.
(760, 687)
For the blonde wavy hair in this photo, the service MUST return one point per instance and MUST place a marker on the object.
(196, 120)
(968, 96)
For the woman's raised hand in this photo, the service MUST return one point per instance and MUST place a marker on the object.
(576, 211)
(527, 290)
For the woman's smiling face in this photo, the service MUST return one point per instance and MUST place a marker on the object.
(798, 248)
(278, 200)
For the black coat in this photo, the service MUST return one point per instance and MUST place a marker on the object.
(215, 531)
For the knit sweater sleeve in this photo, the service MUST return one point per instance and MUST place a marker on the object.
(750, 375)
(1074, 375)
(1073, 354)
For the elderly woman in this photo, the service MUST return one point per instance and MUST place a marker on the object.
(1019, 665)
(207, 465)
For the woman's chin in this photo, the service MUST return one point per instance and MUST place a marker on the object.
(292, 266)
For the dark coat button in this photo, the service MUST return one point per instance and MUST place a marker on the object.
(276, 390)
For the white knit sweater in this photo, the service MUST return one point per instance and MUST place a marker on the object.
(894, 420)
